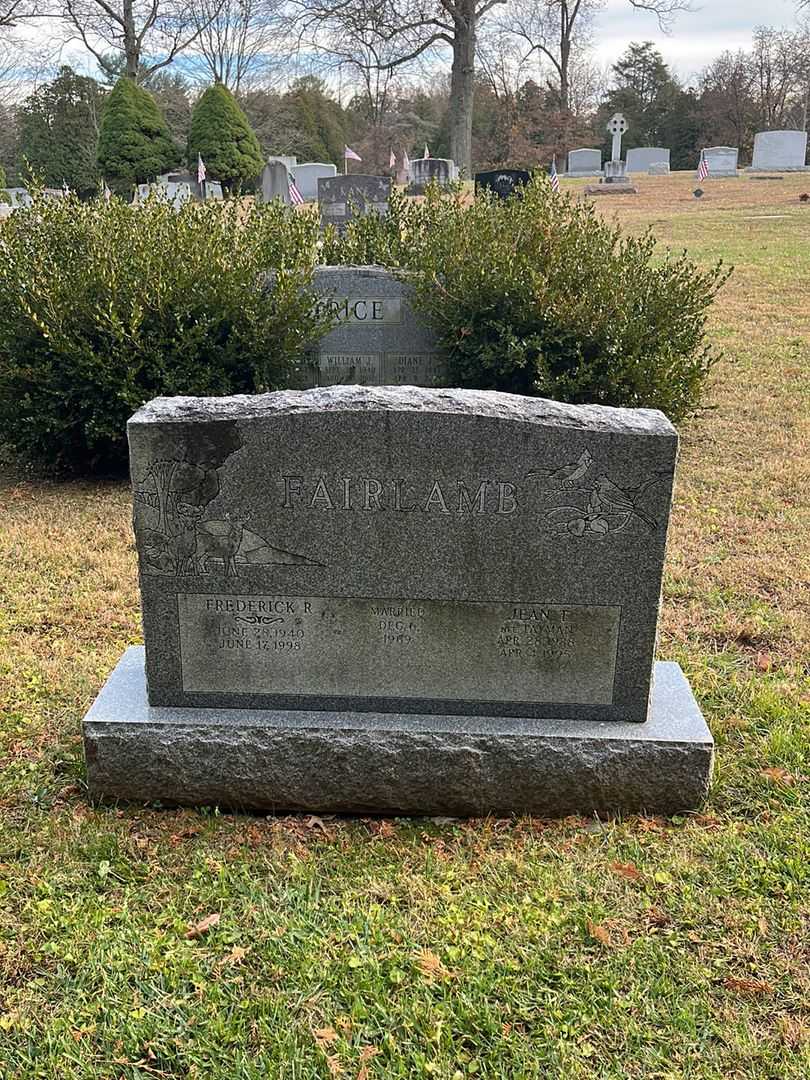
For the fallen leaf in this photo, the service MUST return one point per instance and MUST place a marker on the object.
(203, 926)
(314, 822)
(432, 967)
(235, 956)
(779, 776)
(763, 661)
(333, 1065)
(598, 932)
(383, 827)
(627, 869)
(368, 1052)
(325, 1035)
(747, 986)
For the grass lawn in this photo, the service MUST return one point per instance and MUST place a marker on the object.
(639, 948)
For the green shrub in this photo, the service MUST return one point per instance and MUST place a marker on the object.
(104, 306)
(134, 144)
(539, 295)
(221, 134)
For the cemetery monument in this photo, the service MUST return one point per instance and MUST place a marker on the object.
(615, 181)
(378, 339)
(308, 174)
(785, 151)
(502, 182)
(721, 161)
(442, 171)
(584, 162)
(341, 198)
(643, 158)
(399, 599)
(274, 182)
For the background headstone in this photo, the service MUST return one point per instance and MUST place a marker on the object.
(362, 598)
(783, 150)
(274, 183)
(640, 158)
(306, 177)
(288, 161)
(378, 339)
(722, 160)
(585, 162)
(341, 198)
(660, 168)
(502, 182)
(442, 171)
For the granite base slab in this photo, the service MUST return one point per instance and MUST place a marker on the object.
(610, 189)
(348, 762)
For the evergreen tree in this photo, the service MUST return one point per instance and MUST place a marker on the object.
(221, 135)
(58, 132)
(320, 120)
(134, 145)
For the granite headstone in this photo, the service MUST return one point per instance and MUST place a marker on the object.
(378, 339)
(585, 162)
(308, 174)
(641, 158)
(782, 150)
(274, 183)
(377, 599)
(502, 182)
(441, 171)
(721, 160)
(342, 198)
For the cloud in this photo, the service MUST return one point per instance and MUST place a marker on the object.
(697, 37)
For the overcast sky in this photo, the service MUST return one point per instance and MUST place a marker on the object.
(697, 36)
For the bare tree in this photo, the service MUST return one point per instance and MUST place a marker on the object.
(560, 29)
(403, 30)
(13, 12)
(239, 40)
(133, 30)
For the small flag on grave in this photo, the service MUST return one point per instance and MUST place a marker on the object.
(703, 168)
(554, 179)
(350, 155)
(296, 198)
(392, 160)
(427, 152)
(200, 169)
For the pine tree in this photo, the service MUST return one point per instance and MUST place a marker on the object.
(58, 132)
(134, 144)
(221, 134)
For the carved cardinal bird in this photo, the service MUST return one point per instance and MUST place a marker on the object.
(565, 476)
(619, 501)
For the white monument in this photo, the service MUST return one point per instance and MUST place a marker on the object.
(585, 162)
(720, 161)
(642, 158)
(783, 150)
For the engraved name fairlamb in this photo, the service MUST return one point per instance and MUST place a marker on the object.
(396, 493)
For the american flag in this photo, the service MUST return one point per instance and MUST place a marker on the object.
(350, 154)
(554, 180)
(392, 160)
(703, 167)
(296, 198)
(200, 169)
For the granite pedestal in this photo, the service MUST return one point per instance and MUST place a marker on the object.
(333, 762)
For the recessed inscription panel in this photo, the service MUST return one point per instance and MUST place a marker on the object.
(338, 368)
(414, 369)
(395, 648)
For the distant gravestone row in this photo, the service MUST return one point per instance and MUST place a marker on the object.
(423, 171)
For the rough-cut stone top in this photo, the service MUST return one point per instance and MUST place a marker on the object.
(483, 403)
